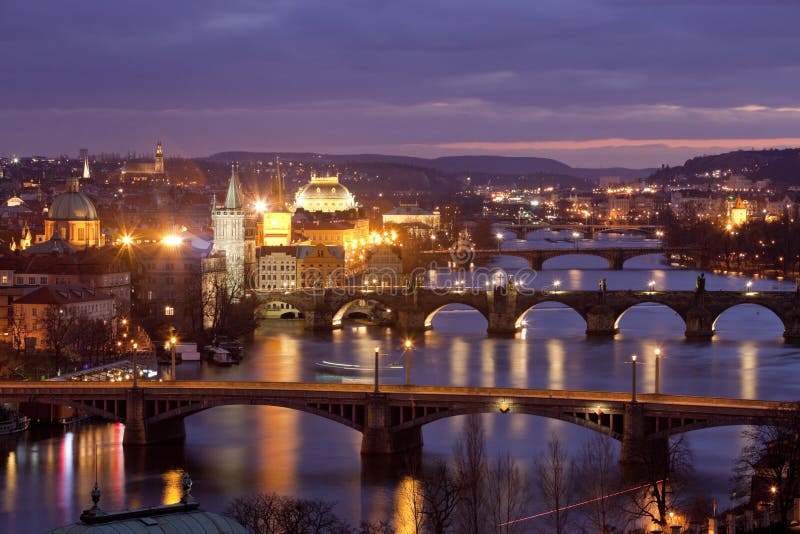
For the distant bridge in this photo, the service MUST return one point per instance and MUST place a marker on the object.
(589, 230)
(504, 307)
(391, 420)
(616, 256)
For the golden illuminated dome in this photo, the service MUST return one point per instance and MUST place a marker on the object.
(72, 205)
(324, 193)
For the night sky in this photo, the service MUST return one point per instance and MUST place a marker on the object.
(593, 83)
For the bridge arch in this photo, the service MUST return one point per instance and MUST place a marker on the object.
(364, 303)
(599, 261)
(755, 307)
(456, 306)
(650, 304)
(550, 304)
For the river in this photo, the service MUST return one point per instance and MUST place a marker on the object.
(231, 451)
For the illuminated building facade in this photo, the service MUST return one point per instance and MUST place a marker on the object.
(324, 194)
(320, 266)
(276, 221)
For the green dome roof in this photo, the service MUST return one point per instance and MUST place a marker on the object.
(73, 205)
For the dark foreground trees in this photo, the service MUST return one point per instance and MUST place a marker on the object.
(268, 513)
(769, 465)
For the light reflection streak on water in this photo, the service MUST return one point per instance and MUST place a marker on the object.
(10, 493)
(65, 471)
(407, 505)
(172, 486)
(555, 360)
(488, 361)
(748, 360)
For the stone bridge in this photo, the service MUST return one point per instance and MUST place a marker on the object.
(391, 419)
(504, 307)
(616, 257)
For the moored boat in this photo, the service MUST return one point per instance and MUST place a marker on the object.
(220, 356)
(11, 422)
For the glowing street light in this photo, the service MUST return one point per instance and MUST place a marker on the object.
(261, 206)
(633, 378)
(499, 237)
(651, 284)
(407, 350)
(658, 359)
(556, 284)
(127, 240)
(171, 240)
(172, 341)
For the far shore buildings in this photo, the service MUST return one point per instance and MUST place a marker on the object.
(417, 221)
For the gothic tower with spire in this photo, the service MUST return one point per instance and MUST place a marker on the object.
(277, 220)
(229, 233)
(158, 164)
(86, 173)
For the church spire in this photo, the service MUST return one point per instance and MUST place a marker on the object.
(280, 193)
(233, 201)
(86, 173)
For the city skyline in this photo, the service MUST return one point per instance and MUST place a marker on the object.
(589, 83)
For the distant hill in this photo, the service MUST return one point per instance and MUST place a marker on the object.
(456, 165)
(782, 166)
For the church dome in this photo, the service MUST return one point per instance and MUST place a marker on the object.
(73, 205)
(324, 193)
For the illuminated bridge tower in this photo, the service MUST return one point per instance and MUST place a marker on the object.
(229, 233)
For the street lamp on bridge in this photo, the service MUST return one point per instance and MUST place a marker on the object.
(407, 351)
(377, 353)
(172, 341)
(499, 237)
(633, 378)
(658, 359)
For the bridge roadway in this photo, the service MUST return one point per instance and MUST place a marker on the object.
(616, 256)
(391, 420)
(505, 307)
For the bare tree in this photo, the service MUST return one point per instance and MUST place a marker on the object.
(57, 326)
(769, 465)
(665, 468)
(553, 478)
(441, 495)
(471, 472)
(275, 514)
(597, 470)
(509, 494)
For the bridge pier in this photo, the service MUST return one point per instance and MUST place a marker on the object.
(319, 320)
(791, 324)
(616, 260)
(699, 323)
(631, 459)
(138, 431)
(502, 324)
(379, 437)
(601, 321)
(410, 320)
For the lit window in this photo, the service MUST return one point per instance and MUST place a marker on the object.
(169, 311)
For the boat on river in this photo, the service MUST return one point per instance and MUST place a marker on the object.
(338, 368)
(12, 422)
(220, 356)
